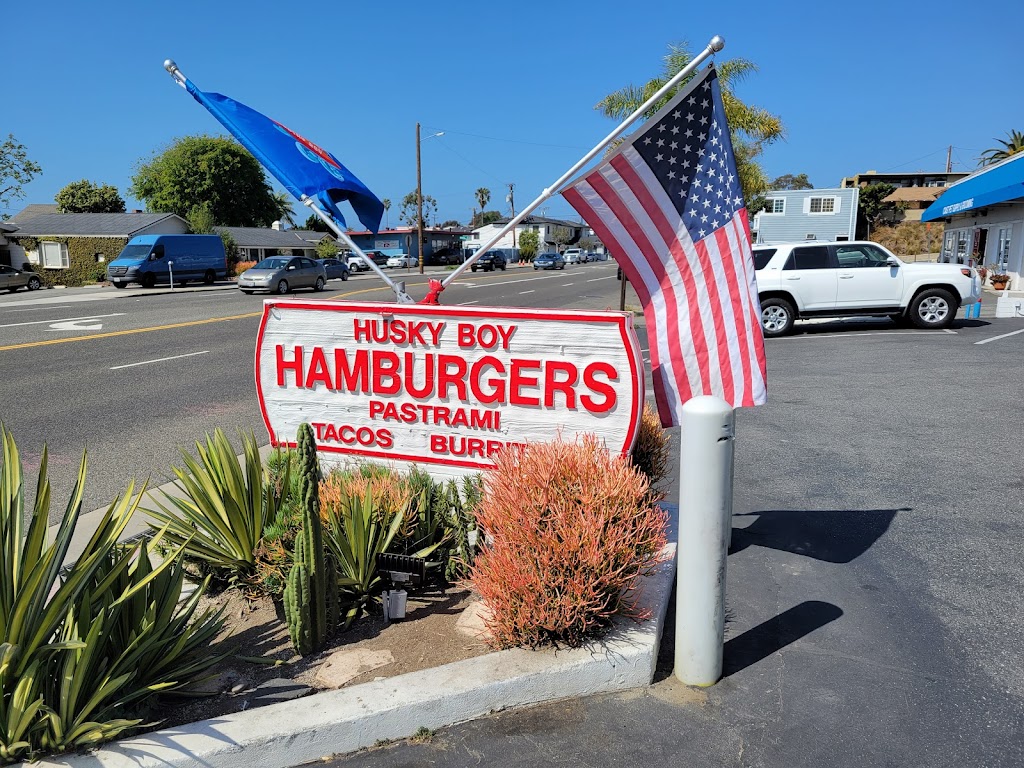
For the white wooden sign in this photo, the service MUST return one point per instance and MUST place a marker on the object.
(445, 387)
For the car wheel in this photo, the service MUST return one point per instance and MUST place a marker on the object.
(344, 276)
(502, 267)
(282, 287)
(473, 268)
(562, 267)
(209, 277)
(319, 286)
(777, 316)
(535, 269)
(934, 308)
(148, 280)
(34, 284)
(120, 285)
(182, 283)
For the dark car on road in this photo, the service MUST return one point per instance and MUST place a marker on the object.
(12, 279)
(549, 261)
(335, 268)
(490, 261)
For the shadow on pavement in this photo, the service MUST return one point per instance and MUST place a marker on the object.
(773, 635)
(835, 536)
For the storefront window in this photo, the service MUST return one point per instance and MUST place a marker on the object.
(1003, 249)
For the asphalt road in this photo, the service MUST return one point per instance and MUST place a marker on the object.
(875, 585)
(132, 376)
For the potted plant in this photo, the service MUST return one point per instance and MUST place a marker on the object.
(999, 280)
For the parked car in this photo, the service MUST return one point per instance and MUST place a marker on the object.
(796, 281)
(152, 259)
(281, 274)
(12, 279)
(335, 268)
(549, 261)
(401, 261)
(489, 262)
(356, 263)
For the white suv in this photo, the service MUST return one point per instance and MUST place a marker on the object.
(797, 281)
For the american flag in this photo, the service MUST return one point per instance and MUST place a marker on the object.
(668, 205)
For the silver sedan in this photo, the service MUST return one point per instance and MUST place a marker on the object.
(281, 274)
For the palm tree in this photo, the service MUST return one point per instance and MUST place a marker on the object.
(386, 202)
(483, 196)
(1009, 148)
(285, 211)
(751, 128)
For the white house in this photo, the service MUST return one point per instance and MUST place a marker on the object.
(546, 229)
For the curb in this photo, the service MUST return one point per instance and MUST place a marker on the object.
(335, 722)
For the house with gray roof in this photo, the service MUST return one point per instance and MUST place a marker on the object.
(256, 243)
(74, 248)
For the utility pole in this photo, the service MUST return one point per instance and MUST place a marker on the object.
(419, 202)
(949, 159)
(512, 202)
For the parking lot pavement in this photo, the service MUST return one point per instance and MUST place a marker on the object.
(874, 583)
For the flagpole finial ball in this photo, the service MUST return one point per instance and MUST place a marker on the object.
(717, 43)
(169, 65)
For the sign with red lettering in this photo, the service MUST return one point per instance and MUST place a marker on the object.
(445, 386)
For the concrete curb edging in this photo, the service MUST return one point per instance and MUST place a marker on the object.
(349, 719)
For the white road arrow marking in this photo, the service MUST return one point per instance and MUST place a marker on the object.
(62, 322)
(87, 324)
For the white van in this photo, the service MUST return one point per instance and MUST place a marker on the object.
(574, 256)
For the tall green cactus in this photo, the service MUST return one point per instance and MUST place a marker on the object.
(311, 599)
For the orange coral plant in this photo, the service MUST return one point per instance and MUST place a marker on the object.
(569, 528)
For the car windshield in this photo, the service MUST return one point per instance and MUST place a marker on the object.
(272, 264)
(135, 252)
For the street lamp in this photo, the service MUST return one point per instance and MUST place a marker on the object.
(419, 194)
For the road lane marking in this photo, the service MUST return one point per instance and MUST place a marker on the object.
(566, 285)
(464, 303)
(594, 280)
(997, 338)
(158, 360)
(112, 334)
(522, 293)
(35, 309)
(65, 320)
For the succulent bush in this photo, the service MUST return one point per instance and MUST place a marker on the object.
(311, 594)
(569, 529)
(650, 453)
(77, 647)
(461, 502)
(223, 507)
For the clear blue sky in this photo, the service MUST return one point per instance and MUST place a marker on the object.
(860, 86)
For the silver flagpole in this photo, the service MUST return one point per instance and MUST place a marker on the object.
(717, 43)
(398, 288)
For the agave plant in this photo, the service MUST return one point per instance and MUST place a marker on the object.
(223, 508)
(76, 647)
(358, 528)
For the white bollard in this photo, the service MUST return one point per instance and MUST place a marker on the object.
(705, 527)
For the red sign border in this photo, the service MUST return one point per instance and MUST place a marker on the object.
(622, 320)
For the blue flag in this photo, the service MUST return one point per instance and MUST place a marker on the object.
(301, 166)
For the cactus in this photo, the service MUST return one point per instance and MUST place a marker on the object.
(311, 598)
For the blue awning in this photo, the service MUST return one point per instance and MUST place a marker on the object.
(996, 184)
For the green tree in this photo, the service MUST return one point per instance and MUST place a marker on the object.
(751, 127)
(285, 208)
(200, 219)
(562, 236)
(451, 223)
(529, 242)
(207, 169)
(1008, 149)
(483, 197)
(16, 170)
(872, 204)
(386, 202)
(486, 217)
(407, 214)
(789, 181)
(85, 197)
(315, 223)
(327, 248)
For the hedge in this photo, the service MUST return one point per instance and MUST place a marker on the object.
(82, 265)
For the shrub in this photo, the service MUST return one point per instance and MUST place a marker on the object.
(569, 529)
(239, 267)
(650, 454)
